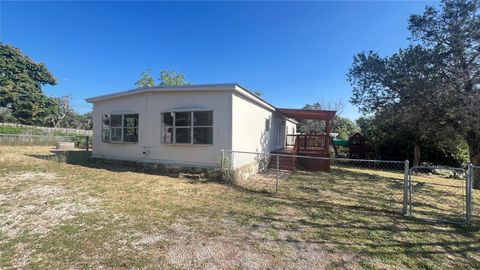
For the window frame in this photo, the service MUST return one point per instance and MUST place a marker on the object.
(191, 126)
(105, 117)
(122, 128)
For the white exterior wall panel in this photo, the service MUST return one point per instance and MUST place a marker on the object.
(149, 106)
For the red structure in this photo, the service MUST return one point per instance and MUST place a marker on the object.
(357, 147)
(309, 144)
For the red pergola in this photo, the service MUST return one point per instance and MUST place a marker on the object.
(307, 114)
(319, 115)
(316, 145)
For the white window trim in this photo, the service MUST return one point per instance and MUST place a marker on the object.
(191, 127)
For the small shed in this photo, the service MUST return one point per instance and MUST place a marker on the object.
(357, 146)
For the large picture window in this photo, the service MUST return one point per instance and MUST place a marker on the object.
(120, 128)
(193, 127)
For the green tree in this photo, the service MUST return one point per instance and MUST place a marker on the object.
(167, 78)
(390, 141)
(146, 80)
(452, 33)
(84, 121)
(308, 125)
(344, 127)
(59, 111)
(172, 78)
(401, 89)
(6, 115)
(21, 81)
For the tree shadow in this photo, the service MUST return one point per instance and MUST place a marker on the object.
(84, 159)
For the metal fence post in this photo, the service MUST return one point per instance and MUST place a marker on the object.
(410, 192)
(222, 164)
(469, 186)
(87, 142)
(405, 188)
(276, 175)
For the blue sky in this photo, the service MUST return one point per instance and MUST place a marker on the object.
(295, 53)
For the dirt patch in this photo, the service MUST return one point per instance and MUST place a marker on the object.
(34, 204)
(247, 248)
(262, 181)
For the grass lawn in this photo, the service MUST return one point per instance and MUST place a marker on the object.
(97, 214)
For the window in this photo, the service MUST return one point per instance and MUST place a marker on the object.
(188, 127)
(106, 128)
(267, 124)
(119, 128)
(130, 128)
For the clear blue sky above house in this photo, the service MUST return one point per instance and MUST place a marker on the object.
(295, 53)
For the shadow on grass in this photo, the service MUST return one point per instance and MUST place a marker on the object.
(83, 158)
(372, 231)
(369, 225)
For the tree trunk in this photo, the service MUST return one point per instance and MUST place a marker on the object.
(473, 141)
(416, 154)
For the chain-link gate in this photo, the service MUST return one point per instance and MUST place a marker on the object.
(474, 192)
(433, 193)
(440, 194)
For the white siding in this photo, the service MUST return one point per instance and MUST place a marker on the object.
(248, 127)
(149, 106)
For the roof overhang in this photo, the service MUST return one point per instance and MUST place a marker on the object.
(307, 114)
(164, 89)
(224, 87)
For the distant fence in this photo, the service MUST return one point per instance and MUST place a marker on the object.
(80, 141)
(51, 129)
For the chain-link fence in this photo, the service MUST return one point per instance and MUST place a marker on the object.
(80, 141)
(366, 184)
(433, 193)
(439, 193)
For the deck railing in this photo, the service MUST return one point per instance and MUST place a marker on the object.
(307, 142)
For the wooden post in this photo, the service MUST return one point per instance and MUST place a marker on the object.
(327, 141)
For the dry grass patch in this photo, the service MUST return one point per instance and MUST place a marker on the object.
(109, 215)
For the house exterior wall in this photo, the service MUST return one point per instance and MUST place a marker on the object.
(150, 148)
(248, 126)
(249, 130)
(249, 133)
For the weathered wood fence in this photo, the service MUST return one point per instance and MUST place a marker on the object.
(81, 141)
(51, 129)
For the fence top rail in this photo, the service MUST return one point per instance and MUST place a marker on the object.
(46, 135)
(475, 166)
(320, 158)
(437, 168)
(49, 129)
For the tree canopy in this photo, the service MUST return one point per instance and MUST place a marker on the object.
(429, 90)
(344, 127)
(146, 79)
(171, 78)
(22, 99)
(20, 86)
(341, 125)
(167, 78)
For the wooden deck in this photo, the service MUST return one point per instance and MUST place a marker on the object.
(289, 160)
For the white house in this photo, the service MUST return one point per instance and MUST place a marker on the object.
(186, 125)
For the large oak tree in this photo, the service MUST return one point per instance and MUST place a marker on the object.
(430, 89)
(21, 81)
